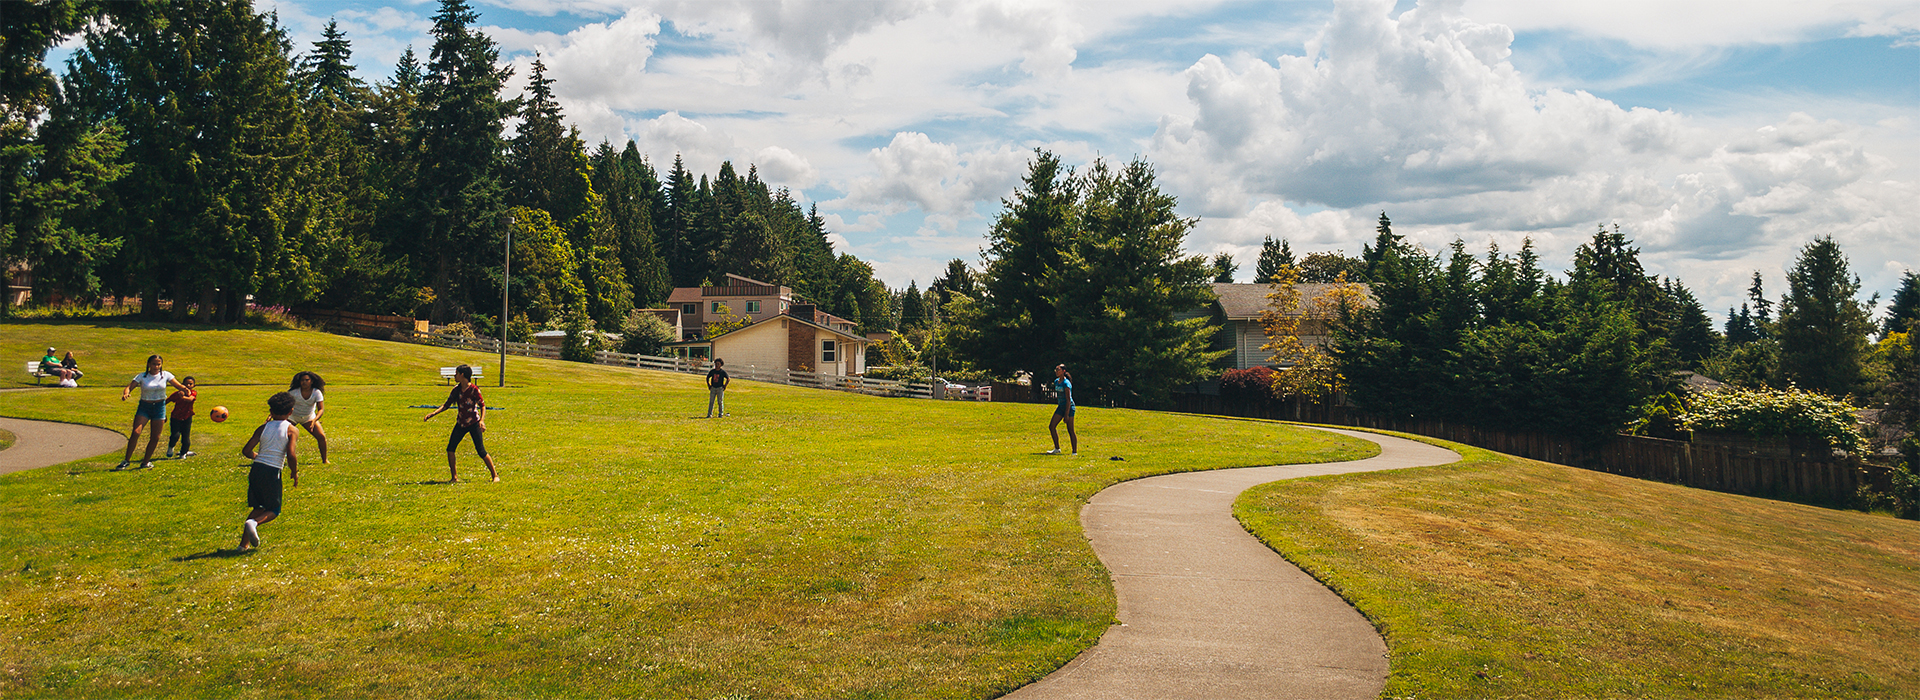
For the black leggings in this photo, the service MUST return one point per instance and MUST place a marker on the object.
(460, 431)
(181, 431)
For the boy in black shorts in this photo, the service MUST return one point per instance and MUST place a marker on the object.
(274, 441)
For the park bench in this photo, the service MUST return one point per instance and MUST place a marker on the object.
(33, 368)
(446, 373)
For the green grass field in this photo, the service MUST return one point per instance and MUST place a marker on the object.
(817, 545)
(1497, 577)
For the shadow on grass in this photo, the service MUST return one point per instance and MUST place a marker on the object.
(133, 322)
(424, 483)
(217, 554)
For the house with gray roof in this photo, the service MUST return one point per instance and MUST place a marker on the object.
(1237, 310)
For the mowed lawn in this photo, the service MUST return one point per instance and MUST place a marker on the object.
(818, 544)
(1502, 577)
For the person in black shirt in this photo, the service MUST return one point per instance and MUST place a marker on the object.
(717, 387)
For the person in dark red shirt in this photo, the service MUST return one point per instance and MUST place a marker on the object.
(470, 420)
(180, 421)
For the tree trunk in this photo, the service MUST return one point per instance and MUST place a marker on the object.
(204, 314)
(440, 289)
(150, 301)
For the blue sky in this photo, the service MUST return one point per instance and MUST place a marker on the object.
(1722, 136)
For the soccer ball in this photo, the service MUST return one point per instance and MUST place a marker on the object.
(218, 414)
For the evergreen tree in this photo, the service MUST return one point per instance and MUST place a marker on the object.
(460, 199)
(1222, 268)
(913, 309)
(1385, 243)
(1904, 310)
(1823, 329)
(1013, 325)
(1762, 309)
(205, 93)
(1273, 256)
(1120, 285)
(1740, 326)
(550, 171)
(1693, 338)
(958, 281)
(630, 192)
(338, 198)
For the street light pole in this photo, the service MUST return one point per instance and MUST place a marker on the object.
(506, 281)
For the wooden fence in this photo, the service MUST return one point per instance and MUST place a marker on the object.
(781, 375)
(1788, 469)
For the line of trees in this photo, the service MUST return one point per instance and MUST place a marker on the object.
(188, 153)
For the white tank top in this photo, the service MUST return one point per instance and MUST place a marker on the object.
(273, 443)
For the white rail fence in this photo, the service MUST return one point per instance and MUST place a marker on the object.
(776, 375)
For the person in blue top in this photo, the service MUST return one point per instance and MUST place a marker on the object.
(1063, 391)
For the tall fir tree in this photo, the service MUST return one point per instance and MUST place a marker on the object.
(1273, 256)
(1385, 243)
(957, 281)
(913, 309)
(550, 171)
(459, 200)
(1013, 325)
(1903, 311)
(1823, 328)
(1120, 285)
(1222, 268)
(205, 93)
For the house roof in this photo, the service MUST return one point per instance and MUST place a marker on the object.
(682, 295)
(796, 319)
(1246, 301)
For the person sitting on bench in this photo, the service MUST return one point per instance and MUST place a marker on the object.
(53, 367)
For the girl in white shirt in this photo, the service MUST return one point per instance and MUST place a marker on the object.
(153, 385)
(308, 404)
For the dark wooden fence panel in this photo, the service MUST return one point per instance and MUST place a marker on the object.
(1789, 469)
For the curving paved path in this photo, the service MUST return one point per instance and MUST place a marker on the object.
(1206, 610)
(43, 443)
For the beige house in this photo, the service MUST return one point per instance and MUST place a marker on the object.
(787, 341)
(739, 297)
(1238, 309)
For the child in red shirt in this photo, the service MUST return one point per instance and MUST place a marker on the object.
(180, 422)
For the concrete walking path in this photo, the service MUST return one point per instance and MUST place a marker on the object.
(43, 443)
(1207, 611)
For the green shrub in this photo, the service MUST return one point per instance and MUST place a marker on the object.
(645, 334)
(1774, 412)
(577, 346)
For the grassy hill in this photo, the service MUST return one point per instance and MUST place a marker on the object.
(1502, 577)
(819, 544)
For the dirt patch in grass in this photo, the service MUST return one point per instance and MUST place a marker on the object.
(1502, 577)
(6, 439)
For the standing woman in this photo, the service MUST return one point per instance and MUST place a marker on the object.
(308, 404)
(153, 385)
(1063, 391)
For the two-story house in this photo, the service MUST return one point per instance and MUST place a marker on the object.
(737, 297)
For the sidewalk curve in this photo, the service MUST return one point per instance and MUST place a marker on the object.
(40, 443)
(1207, 611)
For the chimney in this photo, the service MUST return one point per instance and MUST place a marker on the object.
(803, 311)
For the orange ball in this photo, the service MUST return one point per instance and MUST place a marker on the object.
(218, 414)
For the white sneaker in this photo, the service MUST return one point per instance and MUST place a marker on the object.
(122, 465)
(185, 455)
(1054, 451)
(253, 532)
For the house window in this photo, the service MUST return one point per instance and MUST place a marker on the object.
(689, 309)
(783, 307)
(753, 307)
(717, 306)
(827, 351)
